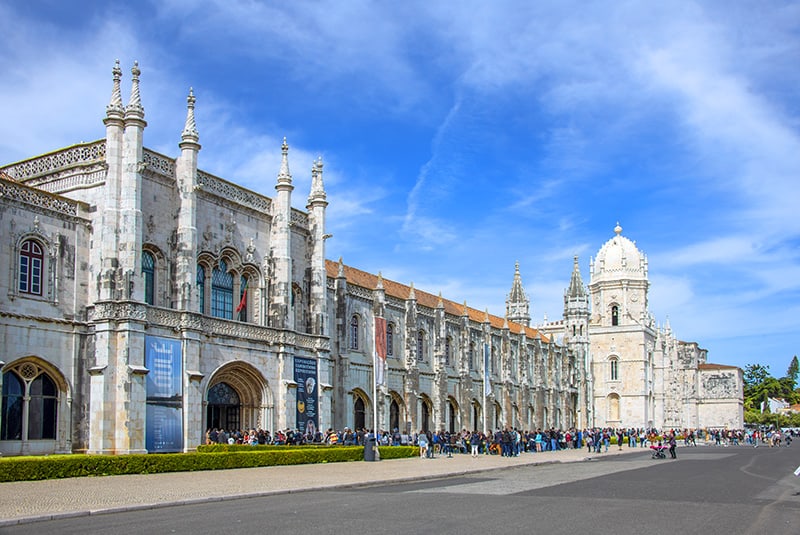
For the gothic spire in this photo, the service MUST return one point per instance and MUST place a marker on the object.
(576, 288)
(190, 129)
(134, 107)
(517, 294)
(284, 176)
(411, 293)
(317, 187)
(115, 105)
(379, 284)
(517, 303)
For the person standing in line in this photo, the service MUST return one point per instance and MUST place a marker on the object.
(672, 444)
(423, 444)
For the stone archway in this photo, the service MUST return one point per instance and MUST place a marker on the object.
(397, 412)
(238, 395)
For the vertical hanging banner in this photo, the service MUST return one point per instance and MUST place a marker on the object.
(380, 351)
(305, 375)
(164, 395)
(487, 383)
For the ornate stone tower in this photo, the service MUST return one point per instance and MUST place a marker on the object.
(118, 373)
(517, 303)
(619, 283)
(576, 338)
(622, 336)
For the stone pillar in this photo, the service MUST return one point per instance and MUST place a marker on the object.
(129, 228)
(186, 177)
(317, 202)
(281, 242)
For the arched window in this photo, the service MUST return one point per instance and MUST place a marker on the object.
(614, 369)
(495, 367)
(201, 288)
(13, 392)
(222, 292)
(27, 385)
(447, 350)
(31, 263)
(149, 273)
(421, 345)
(354, 332)
(389, 340)
(615, 315)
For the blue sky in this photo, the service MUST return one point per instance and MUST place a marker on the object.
(462, 137)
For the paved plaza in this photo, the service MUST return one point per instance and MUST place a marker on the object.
(56, 498)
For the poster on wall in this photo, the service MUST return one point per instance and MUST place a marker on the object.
(305, 375)
(164, 415)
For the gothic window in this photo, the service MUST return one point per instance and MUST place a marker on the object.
(221, 292)
(421, 345)
(241, 308)
(201, 288)
(494, 360)
(615, 315)
(389, 340)
(297, 307)
(149, 273)
(31, 263)
(354, 332)
(29, 393)
(471, 358)
(614, 369)
(573, 330)
(448, 344)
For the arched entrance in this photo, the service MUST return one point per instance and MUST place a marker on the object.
(238, 399)
(359, 413)
(396, 414)
(452, 415)
(425, 414)
(224, 408)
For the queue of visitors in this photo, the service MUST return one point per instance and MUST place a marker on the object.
(510, 442)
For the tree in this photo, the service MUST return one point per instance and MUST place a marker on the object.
(793, 371)
(755, 374)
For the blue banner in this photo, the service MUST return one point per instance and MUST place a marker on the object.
(164, 417)
(305, 375)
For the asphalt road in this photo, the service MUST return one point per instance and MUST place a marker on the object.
(707, 490)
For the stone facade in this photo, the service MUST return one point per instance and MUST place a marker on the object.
(145, 300)
(641, 375)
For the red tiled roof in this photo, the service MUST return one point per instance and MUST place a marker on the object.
(394, 289)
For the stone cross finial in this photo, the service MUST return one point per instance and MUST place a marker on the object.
(190, 129)
(115, 105)
(134, 107)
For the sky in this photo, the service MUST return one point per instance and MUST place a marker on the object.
(459, 138)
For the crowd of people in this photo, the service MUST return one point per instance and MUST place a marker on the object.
(509, 441)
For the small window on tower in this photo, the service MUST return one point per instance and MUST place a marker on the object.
(615, 315)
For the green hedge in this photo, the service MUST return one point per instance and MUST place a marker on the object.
(77, 465)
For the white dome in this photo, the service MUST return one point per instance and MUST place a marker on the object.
(619, 258)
